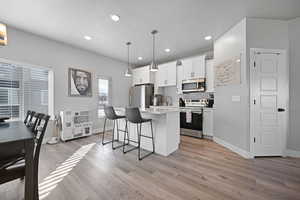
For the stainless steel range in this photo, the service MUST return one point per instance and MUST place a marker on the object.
(191, 117)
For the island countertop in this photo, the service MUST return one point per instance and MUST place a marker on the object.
(153, 110)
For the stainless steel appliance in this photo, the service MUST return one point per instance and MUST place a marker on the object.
(196, 85)
(158, 100)
(141, 96)
(191, 125)
(196, 102)
(191, 117)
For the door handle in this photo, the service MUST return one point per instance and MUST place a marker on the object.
(280, 109)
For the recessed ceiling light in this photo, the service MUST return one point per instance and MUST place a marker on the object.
(87, 37)
(167, 50)
(208, 37)
(115, 18)
(140, 58)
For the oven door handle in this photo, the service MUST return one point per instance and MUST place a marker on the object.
(197, 112)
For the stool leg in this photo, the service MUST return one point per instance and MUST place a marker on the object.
(118, 135)
(118, 138)
(153, 145)
(128, 140)
(103, 132)
(125, 137)
(139, 139)
(113, 135)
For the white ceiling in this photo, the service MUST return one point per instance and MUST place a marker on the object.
(182, 24)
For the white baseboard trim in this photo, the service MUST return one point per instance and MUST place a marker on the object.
(241, 152)
(292, 153)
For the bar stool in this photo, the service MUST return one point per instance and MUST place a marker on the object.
(133, 115)
(110, 114)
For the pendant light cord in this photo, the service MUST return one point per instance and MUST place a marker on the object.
(153, 51)
(128, 63)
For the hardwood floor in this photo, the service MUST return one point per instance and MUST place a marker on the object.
(200, 169)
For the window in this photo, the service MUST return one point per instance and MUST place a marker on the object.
(22, 88)
(104, 94)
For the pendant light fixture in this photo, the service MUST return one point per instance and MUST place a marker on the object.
(3, 35)
(153, 65)
(128, 72)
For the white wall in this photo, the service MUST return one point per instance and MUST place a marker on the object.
(293, 140)
(231, 119)
(32, 49)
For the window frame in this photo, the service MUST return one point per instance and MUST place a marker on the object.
(50, 87)
(110, 95)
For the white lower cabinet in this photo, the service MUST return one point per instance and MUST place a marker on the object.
(208, 121)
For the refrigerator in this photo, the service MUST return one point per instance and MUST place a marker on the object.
(141, 96)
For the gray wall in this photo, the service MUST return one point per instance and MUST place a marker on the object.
(32, 49)
(293, 141)
(231, 119)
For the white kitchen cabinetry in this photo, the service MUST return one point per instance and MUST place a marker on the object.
(179, 79)
(208, 121)
(210, 76)
(194, 68)
(142, 75)
(166, 74)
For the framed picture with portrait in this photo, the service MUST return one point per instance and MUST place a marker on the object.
(80, 83)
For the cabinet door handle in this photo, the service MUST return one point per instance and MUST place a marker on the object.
(141, 80)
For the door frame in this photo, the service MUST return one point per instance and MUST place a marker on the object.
(253, 51)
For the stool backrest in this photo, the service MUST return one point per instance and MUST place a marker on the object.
(110, 112)
(133, 115)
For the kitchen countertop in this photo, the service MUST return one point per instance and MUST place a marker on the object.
(155, 110)
(187, 108)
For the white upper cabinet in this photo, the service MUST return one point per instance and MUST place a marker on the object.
(179, 79)
(142, 75)
(210, 76)
(166, 74)
(194, 68)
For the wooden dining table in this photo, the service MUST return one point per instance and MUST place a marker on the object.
(15, 137)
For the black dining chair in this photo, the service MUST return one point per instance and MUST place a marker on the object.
(110, 114)
(31, 114)
(27, 116)
(133, 115)
(33, 121)
(14, 168)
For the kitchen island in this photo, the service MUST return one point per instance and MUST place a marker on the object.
(166, 130)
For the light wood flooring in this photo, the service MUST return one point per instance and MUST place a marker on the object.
(200, 169)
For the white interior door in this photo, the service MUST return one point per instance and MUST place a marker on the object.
(269, 81)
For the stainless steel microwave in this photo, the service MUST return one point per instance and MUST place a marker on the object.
(196, 85)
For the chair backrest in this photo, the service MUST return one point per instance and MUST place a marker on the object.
(31, 114)
(27, 116)
(33, 122)
(133, 115)
(39, 132)
(110, 112)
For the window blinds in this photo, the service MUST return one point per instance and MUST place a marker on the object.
(22, 88)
